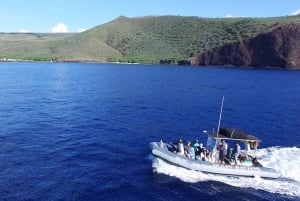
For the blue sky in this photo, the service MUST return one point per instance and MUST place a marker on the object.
(79, 15)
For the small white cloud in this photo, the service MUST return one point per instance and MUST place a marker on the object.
(81, 30)
(24, 30)
(296, 12)
(232, 16)
(229, 16)
(60, 28)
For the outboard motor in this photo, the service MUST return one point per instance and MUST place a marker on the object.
(256, 163)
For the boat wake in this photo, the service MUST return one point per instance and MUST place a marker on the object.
(285, 160)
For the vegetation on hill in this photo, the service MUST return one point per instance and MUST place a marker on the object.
(171, 39)
(164, 39)
(29, 46)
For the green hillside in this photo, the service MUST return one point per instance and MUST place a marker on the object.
(170, 38)
(164, 39)
(29, 46)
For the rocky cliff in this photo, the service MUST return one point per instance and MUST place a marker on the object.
(278, 48)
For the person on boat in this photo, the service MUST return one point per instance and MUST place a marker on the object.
(206, 155)
(236, 152)
(201, 152)
(196, 146)
(223, 151)
(172, 147)
(190, 151)
(244, 157)
(230, 154)
(221, 156)
(216, 155)
(180, 147)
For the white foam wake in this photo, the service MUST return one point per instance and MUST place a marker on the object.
(284, 160)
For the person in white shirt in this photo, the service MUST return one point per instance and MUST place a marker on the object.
(180, 147)
(223, 151)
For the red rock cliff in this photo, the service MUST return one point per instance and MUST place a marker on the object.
(279, 48)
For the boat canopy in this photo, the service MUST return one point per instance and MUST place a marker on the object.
(232, 134)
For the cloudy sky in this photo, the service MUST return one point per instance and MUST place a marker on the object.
(79, 15)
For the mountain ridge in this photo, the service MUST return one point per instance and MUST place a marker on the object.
(149, 39)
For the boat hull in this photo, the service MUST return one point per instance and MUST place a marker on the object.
(213, 168)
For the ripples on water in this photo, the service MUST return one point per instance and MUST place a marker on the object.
(82, 131)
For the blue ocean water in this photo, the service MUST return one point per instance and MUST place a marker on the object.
(81, 131)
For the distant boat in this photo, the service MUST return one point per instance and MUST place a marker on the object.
(236, 163)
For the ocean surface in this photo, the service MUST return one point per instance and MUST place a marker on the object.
(81, 131)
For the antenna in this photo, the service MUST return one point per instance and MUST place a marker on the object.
(220, 117)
